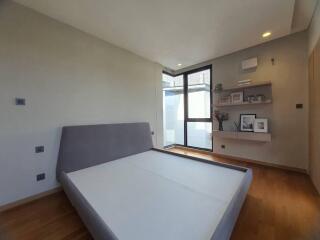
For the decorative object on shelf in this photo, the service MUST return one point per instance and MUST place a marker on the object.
(247, 122)
(237, 97)
(261, 125)
(220, 117)
(251, 98)
(218, 88)
(225, 100)
(237, 126)
(260, 98)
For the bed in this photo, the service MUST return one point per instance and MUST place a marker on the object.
(123, 188)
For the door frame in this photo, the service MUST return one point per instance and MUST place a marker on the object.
(186, 108)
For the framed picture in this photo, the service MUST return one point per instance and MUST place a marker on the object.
(237, 97)
(261, 125)
(247, 122)
(224, 100)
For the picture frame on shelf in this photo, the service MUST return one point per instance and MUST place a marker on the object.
(247, 122)
(261, 125)
(236, 97)
(225, 100)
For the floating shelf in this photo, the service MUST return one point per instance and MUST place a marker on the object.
(248, 136)
(253, 85)
(243, 104)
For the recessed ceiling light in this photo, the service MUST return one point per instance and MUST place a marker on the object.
(266, 34)
(179, 64)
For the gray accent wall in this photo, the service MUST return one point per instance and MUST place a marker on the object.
(288, 125)
(67, 77)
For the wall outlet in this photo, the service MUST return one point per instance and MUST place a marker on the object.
(20, 101)
(223, 146)
(39, 149)
(41, 177)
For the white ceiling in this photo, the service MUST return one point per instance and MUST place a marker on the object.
(180, 31)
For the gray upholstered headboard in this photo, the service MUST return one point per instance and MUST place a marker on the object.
(86, 146)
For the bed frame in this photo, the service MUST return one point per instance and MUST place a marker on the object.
(89, 145)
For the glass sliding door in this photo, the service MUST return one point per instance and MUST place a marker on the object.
(199, 108)
(187, 109)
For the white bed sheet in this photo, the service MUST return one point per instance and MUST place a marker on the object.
(153, 195)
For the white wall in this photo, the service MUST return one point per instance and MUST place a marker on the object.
(289, 126)
(67, 78)
(314, 28)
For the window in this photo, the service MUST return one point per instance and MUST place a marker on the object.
(173, 109)
(187, 109)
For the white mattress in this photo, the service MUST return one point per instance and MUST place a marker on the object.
(158, 196)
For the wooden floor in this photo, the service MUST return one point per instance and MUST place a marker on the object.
(280, 205)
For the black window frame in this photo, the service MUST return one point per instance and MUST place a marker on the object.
(186, 107)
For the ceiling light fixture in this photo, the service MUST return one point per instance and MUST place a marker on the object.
(179, 64)
(266, 34)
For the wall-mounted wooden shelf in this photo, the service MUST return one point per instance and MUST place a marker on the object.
(253, 85)
(248, 136)
(243, 104)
